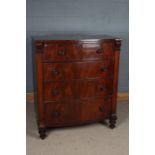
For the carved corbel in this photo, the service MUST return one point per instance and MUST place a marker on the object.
(117, 44)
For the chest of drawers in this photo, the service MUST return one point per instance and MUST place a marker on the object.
(75, 80)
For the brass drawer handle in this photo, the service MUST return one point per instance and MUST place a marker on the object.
(55, 72)
(101, 109)
(62, 52)
(56, 114)
(54, 92)
(99, 51)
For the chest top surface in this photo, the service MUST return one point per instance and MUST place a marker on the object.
(76, 37)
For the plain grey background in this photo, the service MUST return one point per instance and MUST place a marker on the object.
(46, 17)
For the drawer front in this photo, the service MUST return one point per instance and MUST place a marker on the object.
(70, 52)
(61, 52)
(94, 109)
(76, 89)
(59, 112)
(75, 111)
(69, 71)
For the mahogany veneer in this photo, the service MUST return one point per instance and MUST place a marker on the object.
(75, 80)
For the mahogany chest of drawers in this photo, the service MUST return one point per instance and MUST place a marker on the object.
(75, 80)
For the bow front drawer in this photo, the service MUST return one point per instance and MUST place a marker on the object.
(77, 51)
(81, 89)
(69, 71)
(75, 111)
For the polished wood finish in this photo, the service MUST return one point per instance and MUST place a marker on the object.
(72, 70)
(113, 116)
(39, 78)
(66, 51)
(74, 111)
(77, 80)
(81, 89)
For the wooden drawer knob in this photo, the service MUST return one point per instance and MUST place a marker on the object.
(99, 51)
(102, 88)
(56, 114)
(103, 69)
(54, 92)
(62, 52)
(55, 72)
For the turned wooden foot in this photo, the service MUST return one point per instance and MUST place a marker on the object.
(42, 132)
(112, 121)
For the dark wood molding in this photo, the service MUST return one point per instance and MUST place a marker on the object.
(117, 45)
(39, 47)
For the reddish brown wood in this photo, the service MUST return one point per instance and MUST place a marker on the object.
(113, 116)
(71, 111)
(77, 81)
(81, 89)
(65, 51)
(90, 112)
(39, 76)
(72, 70)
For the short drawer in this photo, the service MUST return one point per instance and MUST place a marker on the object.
(76, 89)
(74, 111)
(56, 52)
(72, 70)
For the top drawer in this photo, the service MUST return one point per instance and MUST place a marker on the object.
(56, 52)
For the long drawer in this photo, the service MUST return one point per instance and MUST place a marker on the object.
(77, 70)
(77, 51)
(81, 89)
(72, 111)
